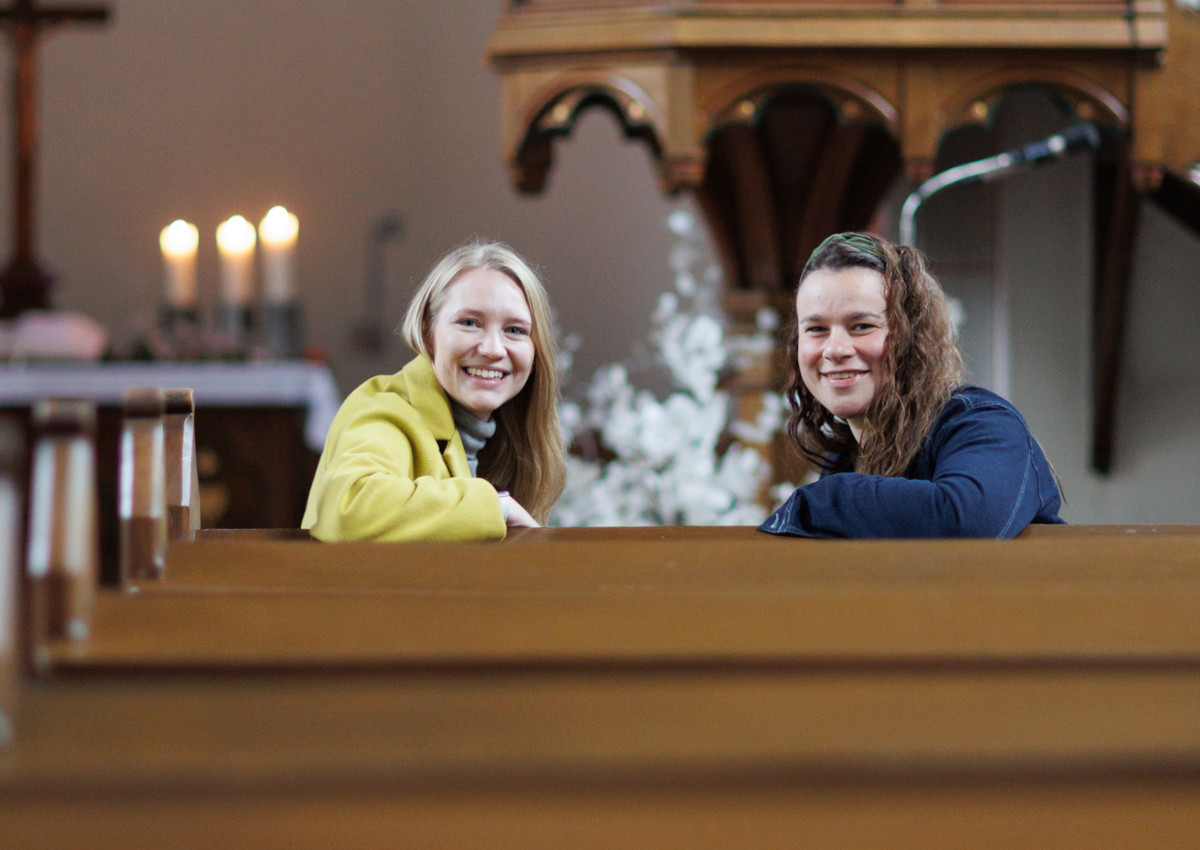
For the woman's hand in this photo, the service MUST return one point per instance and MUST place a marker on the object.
(518, 517)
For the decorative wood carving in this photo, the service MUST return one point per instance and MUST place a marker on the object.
(790, 119)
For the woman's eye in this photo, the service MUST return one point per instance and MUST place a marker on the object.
(518, 330)
(469, 323)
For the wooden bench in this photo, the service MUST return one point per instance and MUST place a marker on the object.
(745, 599)
(689, 532)
(1088, 759)
(593, 689)
(627, 687)
(659, 559)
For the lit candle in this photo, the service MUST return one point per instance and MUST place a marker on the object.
(235, 240)
(178, 241)
(277, 233)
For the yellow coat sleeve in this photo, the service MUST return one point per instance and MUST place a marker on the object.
(394, 469)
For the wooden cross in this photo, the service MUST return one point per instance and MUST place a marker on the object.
(23, 285)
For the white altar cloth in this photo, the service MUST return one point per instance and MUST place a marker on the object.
(214, 384)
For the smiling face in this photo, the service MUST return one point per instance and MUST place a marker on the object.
(481, 341)
(842, 339)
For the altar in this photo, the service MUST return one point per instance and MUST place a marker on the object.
(260, 427)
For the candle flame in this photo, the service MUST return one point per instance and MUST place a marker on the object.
(179, 238)
(278, 226)
(235, 235)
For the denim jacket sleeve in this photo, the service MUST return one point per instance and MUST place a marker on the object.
(979, 474)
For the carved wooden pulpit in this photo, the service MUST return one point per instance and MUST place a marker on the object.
(790, 120)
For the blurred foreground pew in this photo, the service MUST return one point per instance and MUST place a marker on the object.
(634, 687)
(1049, 758)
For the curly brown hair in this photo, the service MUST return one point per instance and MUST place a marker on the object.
(922, 365)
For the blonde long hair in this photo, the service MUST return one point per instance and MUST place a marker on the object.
(526, 454)
(922, 364)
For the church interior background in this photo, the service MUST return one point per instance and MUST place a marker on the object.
(381, 129)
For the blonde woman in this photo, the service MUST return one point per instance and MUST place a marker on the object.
(464, 441)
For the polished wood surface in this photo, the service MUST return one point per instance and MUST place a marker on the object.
(743, 598)
(927, 815)
(930, 759)
(921, 68)
(254, 469)
(180, 465)
(696, 532)
(629, 687)
(441, 727)
(629, 558)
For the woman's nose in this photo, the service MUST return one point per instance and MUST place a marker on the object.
(838, 346)
(492, 343)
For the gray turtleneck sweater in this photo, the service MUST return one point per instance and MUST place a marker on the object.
(473, 431)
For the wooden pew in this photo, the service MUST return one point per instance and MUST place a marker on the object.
(931, 761)
(682, 532)
(13, 460)
(217, 535)
(588, 690)
(608, 687)
(658, 559)
(1093, 760)
(142, 506)
(181, 476)
(1109, 530)
(763, 600)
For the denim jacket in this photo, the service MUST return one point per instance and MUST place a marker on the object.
(979, 473)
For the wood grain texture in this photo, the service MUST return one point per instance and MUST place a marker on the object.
(743, 598)
(652, 687)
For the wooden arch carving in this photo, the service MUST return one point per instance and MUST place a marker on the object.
(555, 110)
(855, 99)
(791, 156)
(790, 118)
(1087, 99)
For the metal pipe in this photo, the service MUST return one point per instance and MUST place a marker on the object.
(1075, 138)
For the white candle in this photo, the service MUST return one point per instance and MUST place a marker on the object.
(277, 233)
(178, 241)
(235, 240)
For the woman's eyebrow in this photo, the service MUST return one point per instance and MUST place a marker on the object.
(861, 314)
(476, 313)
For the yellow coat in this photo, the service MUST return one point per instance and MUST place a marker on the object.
(394, 468)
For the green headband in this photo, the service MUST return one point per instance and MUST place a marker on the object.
(858, 241)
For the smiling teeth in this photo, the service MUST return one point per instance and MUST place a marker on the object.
(485, 373)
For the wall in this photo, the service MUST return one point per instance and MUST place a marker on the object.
(345, 113)
(348, 112)
(1045, 258)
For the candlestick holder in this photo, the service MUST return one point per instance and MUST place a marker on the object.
(233, 331)
(282, 330)
(181, 331)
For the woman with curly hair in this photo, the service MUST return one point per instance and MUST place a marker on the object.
(903, 449)
(464, 441)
